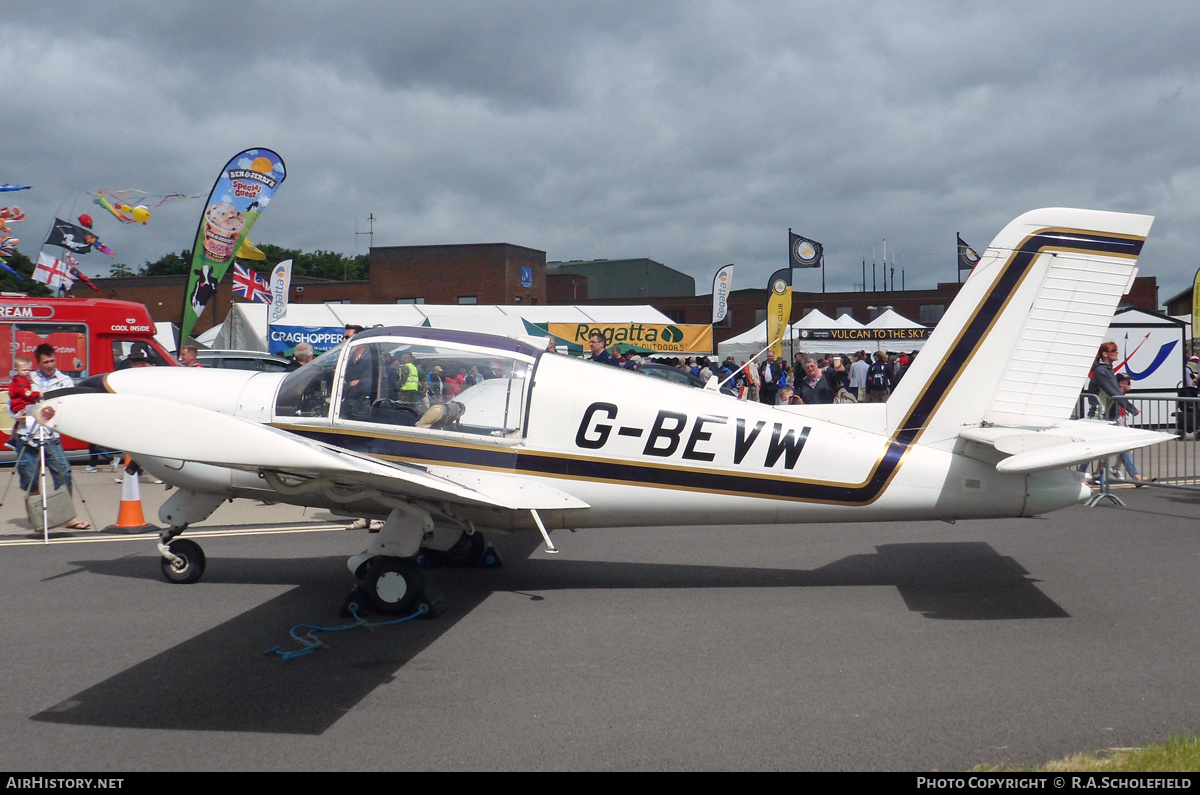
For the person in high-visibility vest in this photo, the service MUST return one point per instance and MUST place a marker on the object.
(410, 380)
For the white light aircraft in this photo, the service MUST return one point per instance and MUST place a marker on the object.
(977, 428)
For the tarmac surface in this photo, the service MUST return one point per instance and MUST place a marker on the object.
(897, 646)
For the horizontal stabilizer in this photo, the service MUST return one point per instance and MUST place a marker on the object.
(1061, 445)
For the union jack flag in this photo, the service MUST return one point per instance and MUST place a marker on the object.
(249, 285)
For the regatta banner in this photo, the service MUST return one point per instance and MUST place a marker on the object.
(779, 308)
(722, 284)
(804, 253)
(281, 282)
(239, 196)
(659, 338)
(967, 258)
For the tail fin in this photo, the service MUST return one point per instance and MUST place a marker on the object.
(1015, 346)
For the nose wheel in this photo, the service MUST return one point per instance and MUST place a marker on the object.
(183, 561)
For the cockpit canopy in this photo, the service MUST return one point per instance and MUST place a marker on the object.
(414, 378)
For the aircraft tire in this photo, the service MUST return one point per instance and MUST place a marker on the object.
(469, 550)
(193, 562)
(393, 585)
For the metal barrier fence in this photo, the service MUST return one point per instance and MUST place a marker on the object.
(1171, 464)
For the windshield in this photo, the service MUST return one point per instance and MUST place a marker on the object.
(306, 392)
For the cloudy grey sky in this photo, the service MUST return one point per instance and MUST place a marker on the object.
(695, 133)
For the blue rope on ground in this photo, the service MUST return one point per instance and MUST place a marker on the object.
(311, 643)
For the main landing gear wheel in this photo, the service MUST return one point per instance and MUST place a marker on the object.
(392, 585)
(468, 550)
(191, 565)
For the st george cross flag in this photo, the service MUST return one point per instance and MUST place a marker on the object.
(52, 272)
(249, 285)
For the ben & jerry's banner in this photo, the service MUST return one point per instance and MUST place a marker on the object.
(241, 193)
(660, 338)
(779, 308)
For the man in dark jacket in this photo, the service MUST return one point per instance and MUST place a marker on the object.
(811, 385)
(600, 352)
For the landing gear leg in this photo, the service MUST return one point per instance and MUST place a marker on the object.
(182, 559)
(388, 578)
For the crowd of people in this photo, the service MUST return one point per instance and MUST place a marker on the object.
(855, 378)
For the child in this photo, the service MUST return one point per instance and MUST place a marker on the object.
(21, 394)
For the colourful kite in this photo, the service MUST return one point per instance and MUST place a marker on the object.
(130, 206)
(7, 187)
(73, 267)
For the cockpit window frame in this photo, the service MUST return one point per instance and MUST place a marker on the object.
(469, 344)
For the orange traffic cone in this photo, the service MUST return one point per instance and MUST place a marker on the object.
(130, 518)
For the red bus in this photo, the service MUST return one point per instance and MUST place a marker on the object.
(90, 335)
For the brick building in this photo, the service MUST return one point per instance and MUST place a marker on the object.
(502, 273)
(472, 273)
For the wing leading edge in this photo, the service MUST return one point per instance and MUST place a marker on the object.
(175, 431)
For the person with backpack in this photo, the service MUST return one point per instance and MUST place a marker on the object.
(879, 382)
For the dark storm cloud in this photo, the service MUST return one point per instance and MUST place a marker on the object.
(695, 133)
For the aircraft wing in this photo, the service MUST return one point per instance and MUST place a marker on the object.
(166, 429)
(1061, 445)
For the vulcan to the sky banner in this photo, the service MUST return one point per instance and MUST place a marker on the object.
(241, 193)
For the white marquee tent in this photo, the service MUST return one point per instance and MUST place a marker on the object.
(747, 344)
(245, 327)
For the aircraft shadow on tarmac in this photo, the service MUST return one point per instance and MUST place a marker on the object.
(213, 683)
